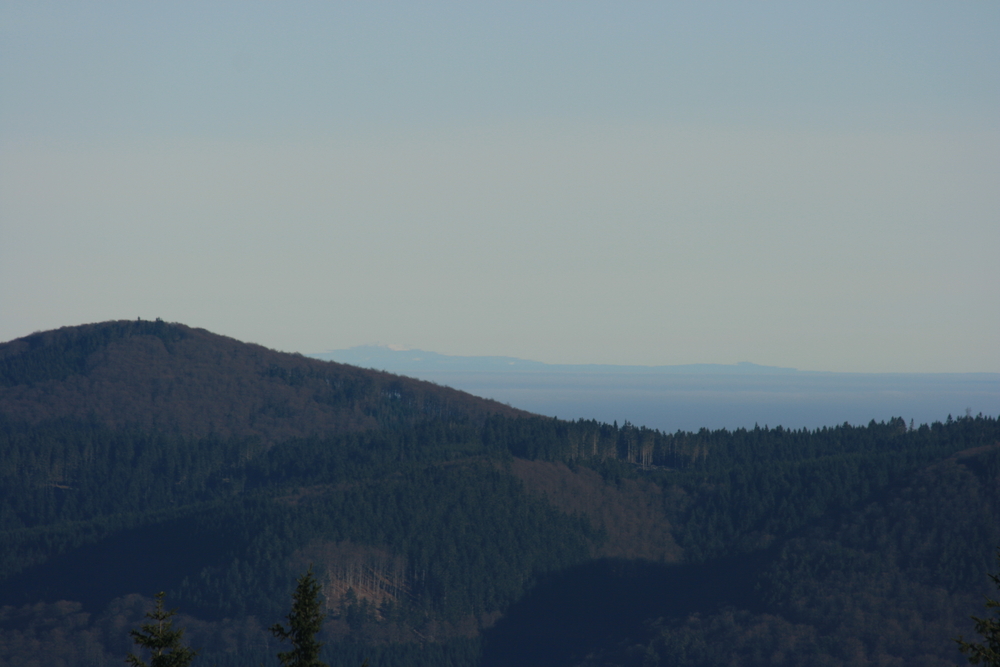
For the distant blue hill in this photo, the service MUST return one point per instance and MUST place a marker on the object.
(384, 358)
(691, 396)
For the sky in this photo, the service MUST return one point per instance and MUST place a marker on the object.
(805, 185)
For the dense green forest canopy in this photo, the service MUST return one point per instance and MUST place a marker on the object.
(169, 378)
(445, 529)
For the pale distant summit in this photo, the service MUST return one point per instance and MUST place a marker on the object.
(407, 361)
(399, 359)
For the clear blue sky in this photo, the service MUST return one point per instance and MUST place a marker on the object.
(813, 185)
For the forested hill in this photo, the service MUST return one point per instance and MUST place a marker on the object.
(138, 457)
(175, 379)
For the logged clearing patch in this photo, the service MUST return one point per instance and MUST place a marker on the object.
(632, 513)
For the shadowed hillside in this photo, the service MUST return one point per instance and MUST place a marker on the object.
(178, 380)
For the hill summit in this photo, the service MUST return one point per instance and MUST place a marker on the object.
(154, 375)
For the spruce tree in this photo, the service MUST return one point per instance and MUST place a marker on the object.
(162, 640)
(987, 653)
(305, 620)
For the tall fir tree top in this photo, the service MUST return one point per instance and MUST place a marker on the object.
(305, 620)
(161, 639)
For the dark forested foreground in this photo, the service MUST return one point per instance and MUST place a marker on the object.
(137, 457)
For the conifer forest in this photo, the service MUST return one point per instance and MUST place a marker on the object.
(149, 468)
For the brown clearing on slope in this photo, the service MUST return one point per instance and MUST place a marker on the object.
(633, 514)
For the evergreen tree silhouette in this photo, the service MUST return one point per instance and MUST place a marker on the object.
(305, 620)
(162, 640)
(987, 653)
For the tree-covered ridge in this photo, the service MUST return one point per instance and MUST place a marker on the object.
(449, 530)
(56, 355)
(419, 482)
(225, 528)
(169, 378)
(751, 484)
(891, 582)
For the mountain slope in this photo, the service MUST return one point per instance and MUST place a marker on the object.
(142, 456)
(175, 379)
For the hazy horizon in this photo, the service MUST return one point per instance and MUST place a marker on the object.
(695, 396)
(795, 185)
(359, 355)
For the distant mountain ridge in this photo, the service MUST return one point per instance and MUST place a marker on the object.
(384, 357)
(693, 396)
